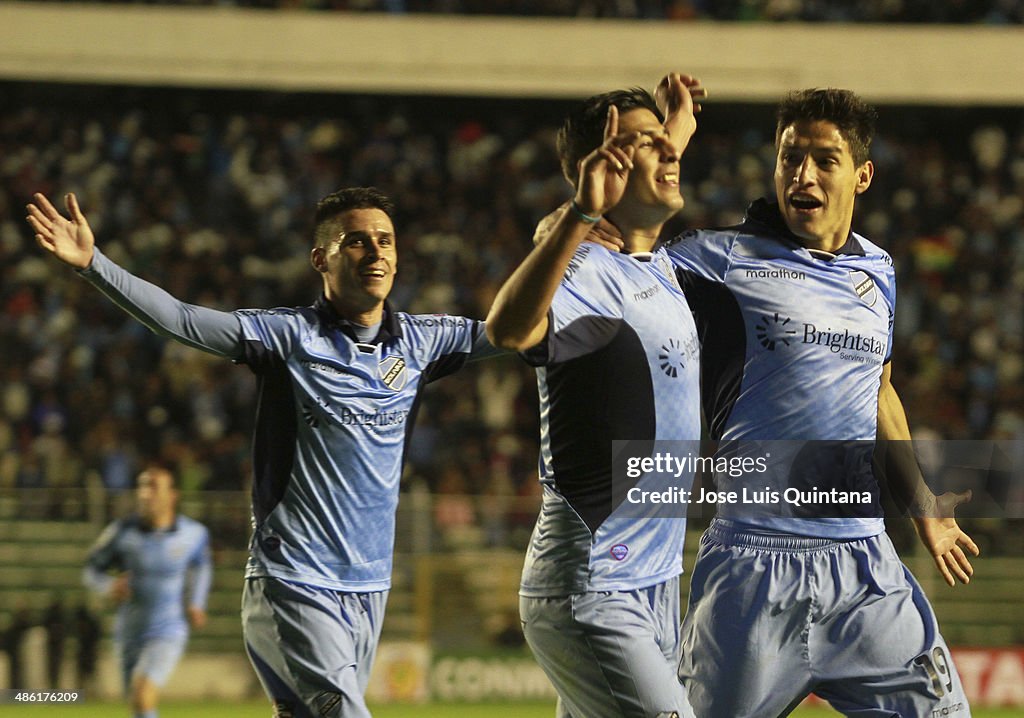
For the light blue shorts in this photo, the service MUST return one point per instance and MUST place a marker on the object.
(773, 618)
(610, 654)
(154, 658)
(312, 648)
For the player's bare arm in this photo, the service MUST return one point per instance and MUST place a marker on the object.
(196, 617)
(602, 232)
(678, 97)
(518, 318)
(71, 241)
(932, 516)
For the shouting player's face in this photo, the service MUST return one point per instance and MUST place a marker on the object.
(816, 182)
(359, 263)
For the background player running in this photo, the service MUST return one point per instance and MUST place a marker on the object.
(156, 554)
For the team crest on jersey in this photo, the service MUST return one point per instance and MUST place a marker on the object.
(864, 286)
(619, 551)
(392, 372)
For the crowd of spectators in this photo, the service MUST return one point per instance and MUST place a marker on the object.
(998, 12)
(210, 195)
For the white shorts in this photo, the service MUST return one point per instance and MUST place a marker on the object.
(154, 659)
(610, 654)
(774, 618)
(312, 648)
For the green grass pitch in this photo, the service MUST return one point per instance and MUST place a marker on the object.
(260, 709)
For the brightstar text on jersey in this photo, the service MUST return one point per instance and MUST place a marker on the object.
(837, 341)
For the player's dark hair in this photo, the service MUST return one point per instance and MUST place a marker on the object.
(349, 198)
(160, 467)
(583, 130)
(855, 118)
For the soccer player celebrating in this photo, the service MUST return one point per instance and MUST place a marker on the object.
(616, 351)
(338, 384)
(795, 312)
(155, 552)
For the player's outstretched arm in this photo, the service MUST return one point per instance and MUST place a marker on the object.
(518, 318)
(71, 241)
(932, 516)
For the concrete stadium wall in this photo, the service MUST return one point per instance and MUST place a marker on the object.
(425, 54)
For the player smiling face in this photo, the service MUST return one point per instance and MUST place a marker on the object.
(816, 182)
(654, 181)
(358, 264)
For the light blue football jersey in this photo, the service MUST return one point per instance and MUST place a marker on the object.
(793, 346)
(333, 423)
(333, 420)
(160, 564)
(620, 362)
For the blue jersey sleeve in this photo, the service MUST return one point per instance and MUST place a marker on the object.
(104, 556)
(444, 342)
(878, 265)
(270, 335)
(703, 253)
(200, 327)
(201, 567)
(586, 311)
(483, 349)
(889, 291)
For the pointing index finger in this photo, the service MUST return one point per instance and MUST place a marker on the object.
(611, 125)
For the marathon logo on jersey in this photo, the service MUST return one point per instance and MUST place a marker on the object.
(864, 286)
(778, 273)
(647, 293)
(392, 372)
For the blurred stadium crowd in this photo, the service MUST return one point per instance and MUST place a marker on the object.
(913, 11)
(210, 195)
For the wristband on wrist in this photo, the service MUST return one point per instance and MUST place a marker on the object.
(583, 216)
